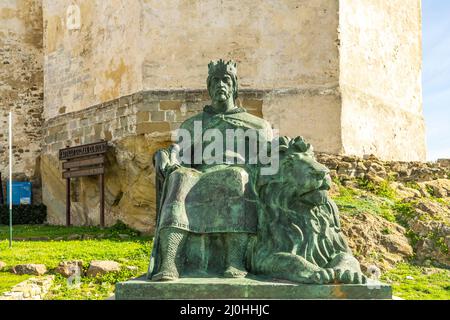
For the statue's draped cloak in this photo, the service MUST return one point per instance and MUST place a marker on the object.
(214, 198)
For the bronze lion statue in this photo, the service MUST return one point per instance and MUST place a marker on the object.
(299, 236)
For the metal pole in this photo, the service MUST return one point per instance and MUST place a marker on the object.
(68, 202)
(102, 200)
(10, 179)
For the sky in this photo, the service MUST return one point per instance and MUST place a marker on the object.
(436, 76)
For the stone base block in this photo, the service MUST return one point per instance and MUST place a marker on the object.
(248, 288)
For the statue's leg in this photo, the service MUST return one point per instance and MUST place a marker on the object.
(236, 246)
(203, 255)
(171, 242)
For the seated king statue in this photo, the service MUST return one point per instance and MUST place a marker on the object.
(206, 207)
(220, 214)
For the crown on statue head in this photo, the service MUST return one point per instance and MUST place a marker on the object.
(220, 66)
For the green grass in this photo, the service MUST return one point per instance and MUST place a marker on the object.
(382, 189)
(100, 287)
(354, 201)
(133, 251)
(29, 231)
(51, 253)
(434, 286)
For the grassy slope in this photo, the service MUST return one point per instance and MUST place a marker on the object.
(381, 200)
(425, 284)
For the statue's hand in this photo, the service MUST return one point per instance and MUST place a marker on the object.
(349, 276)
(165, 161)
(323, 276)
(171, 168)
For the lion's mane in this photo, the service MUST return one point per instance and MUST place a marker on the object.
(289, 225)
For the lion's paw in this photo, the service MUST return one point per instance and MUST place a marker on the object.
(323, 276)
(350, 277)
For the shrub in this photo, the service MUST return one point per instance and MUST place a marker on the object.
(382, 189)
(405, 212)
(366, 184)
(24, 214)
(385, 190)
(121, 228)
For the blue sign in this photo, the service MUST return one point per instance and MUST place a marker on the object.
(21, 193)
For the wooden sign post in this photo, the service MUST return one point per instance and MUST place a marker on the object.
(83, 161)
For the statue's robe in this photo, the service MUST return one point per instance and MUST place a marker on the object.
(217, 197)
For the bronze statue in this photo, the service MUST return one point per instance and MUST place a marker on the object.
(207, 198)
(219, 215)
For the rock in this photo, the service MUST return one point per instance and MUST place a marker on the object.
(87, 237)
(431, 224)
(132, 268)
(69, 268)
(124, 236)
(35, 269)
(444, 163)
(98, 267)
(2, 265)
(371, 176)
(31, 289)
(429, 271)
(409, 278)
(349, 159)
(433, 208)
(404, 192)
(38, 239)
(20, 239)
(59, 238)
(74, 237)
(368, 240)
(440, 187)
(360, 166)
(370, 157)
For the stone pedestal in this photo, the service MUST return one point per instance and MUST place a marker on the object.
(248, 288)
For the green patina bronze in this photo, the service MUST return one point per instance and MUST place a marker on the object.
(245, 288)
(226, 219)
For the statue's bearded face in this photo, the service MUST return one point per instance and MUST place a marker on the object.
(221, 87)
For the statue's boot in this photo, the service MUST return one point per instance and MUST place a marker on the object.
(172, 241)
(236, 244)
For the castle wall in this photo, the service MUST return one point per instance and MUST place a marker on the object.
(380, 79)
(21, 88)
(286, 50)
(91, 53)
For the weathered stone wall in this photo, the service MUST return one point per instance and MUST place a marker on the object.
(91, 53)
(21, 88)
(380, 78)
